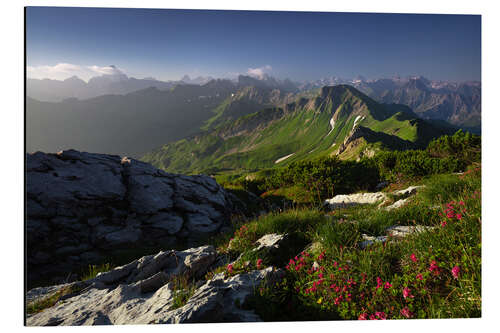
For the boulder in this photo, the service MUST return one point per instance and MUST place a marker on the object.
(345, 200)
(408, 191)
(81, 202)
(397, 204)
(400, 231)
(369, 240)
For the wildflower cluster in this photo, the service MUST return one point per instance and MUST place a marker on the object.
(432, 274)
(243, 238)
(334, 285)
(455, 211)
(470, 172)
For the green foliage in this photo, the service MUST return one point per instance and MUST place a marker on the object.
(433, 274)
(325, 176)
(47, 302)
(443, 155)
(465, 146)
(440, 189)
(93, 270)
(300, 222)
(320, 178)
(183, 288)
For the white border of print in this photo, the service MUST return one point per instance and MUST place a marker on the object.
(12, 148)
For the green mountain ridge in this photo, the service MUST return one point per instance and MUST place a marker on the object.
(339, 120)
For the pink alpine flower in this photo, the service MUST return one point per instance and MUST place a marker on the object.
(363, 316)
(459, 216)
(419, 276)
(434, 267)
(455, 271)
(407, 293)
(413, 257)
(259, 263)
(229, 268)
(405, 312)
(381, 315)
(387, 285)
(443, 224)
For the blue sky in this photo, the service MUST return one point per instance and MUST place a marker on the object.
(166, 44)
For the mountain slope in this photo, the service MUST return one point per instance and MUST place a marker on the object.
(129, 124)
(137, 122)
(247, 100)
(458, 104)
(340, 120)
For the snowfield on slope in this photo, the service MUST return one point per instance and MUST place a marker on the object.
(332, 123)
(358, 118)
(281, 159)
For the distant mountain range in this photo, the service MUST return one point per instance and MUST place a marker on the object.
(132, 117)
(456, 103)
(137, 122)
(48, 90)
(337, 121)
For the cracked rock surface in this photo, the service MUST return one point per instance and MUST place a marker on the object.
(81, 205)
(140, 293)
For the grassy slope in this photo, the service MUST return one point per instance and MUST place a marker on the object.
(423, 263)
(304, 130)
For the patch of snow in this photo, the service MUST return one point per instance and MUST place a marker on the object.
(281, 159)
(358, 118)
(332, 123)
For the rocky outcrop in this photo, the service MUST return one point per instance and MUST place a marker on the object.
(369, 240)
(395, 232)
(401, 231)
(398, 204)
(141, 292)
(345, 200)
(353, 140)
(81, 205)
(408, 191)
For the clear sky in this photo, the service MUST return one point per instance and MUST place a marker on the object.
(166, 44)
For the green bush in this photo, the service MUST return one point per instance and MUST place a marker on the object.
(327, 176)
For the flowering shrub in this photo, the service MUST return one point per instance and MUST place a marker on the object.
(434, 274)
(244, 238)
(428, 275)
(338, 286)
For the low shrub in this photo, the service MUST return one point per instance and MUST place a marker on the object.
(432, 274)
